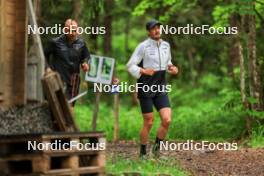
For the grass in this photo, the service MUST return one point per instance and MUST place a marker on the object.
(119, 165)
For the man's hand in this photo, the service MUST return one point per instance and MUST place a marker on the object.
(85, 67)
(172, 69)
(115, 81)
(147, 71)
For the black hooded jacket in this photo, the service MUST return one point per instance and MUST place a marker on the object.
(65, 57)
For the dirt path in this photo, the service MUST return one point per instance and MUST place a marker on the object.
(245, 161)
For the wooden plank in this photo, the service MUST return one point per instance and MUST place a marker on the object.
(20, 39)
(53, 89)
(2, 53)
(71, 162)
(20, 14)
(45, 136)
(32, 72)
(41, 164)
(54, 105)
(20, 26)
(84, 170)
(10, 2)
(10, 21)
(10, 8)
(10, 45)
(52, 153)
(44, 164)
(20, 5)
(38, 43)
(8, 155)
(70, 152)
(3, 166)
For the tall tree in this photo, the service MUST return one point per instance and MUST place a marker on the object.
(107, 49)
(236, 53)
(235, 48)
(76, 9)
(108, 18)
(107, 46)
(249, 21)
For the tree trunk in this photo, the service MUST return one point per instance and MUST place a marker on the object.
(190, 58)
(96, 109)
(254, 72)
(76, 9)
(240, 56)
(236, 53)
(95, 21)
(235, 49)
(116, 116)
(107, 47)
(108, 5)
(249, 28)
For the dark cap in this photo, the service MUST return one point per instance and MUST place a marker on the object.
(152, 23)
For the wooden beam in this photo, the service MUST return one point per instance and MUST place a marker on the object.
(53, 89)
(37, 41)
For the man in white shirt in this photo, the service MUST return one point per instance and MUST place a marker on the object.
(149, 64)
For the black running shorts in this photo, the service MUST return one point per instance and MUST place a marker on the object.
(160, 101)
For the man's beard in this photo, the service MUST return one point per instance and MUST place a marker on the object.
(156, 37)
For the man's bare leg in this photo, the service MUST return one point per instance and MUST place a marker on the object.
(165, 116)
(144, 133)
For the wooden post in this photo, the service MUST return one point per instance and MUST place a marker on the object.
(1, 48)
(13, 42)
(38, 43)
(41, 163)
(116, 116)
(96, 109)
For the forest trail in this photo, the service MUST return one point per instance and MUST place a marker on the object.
(242, 162)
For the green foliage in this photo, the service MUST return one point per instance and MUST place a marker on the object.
(224, 10)
(221, 14)
(204, 111)
(172, 6)
(216, 114)
(256, 114)
(257, 138)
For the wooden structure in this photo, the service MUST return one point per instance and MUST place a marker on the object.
(13, 42)
(20, 71)
(36, 58)
(16, 159)
(53, 88)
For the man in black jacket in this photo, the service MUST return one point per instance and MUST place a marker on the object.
(66, 54)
